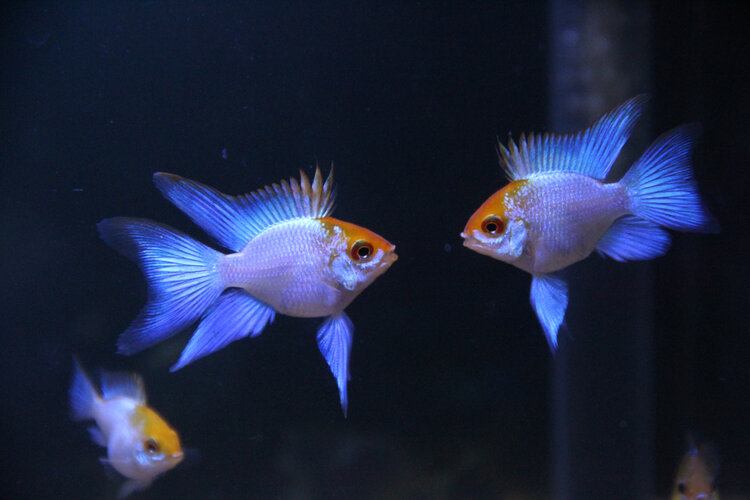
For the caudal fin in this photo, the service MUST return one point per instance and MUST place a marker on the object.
(83, 394)
(182, 278)
(661, 185)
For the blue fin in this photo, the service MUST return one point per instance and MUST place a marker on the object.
(335, 343)
(109, 469)
(591, 152)
(129, 385)
(661, 185)
(182, 278)
(97, 436)
(632, 238)
(234, 220)
(549, 298)
(131, 486)
(83, 395)
(234, 316)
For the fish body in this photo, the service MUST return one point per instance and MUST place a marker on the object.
(302, 267)
(565, 215)
(286, 255)
(695, 476)
(558, 207)
(140, 443)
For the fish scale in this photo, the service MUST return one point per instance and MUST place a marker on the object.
(286, 267)
(566, 215)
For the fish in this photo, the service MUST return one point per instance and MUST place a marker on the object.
(140, 444)
(696, 475)
(558, 207)
(285, 254)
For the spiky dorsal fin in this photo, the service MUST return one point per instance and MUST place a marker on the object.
(129, 385)
(590, 152)
(234, 220)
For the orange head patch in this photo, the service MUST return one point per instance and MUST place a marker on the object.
(362, 244)
(158, 436)
(491, 217)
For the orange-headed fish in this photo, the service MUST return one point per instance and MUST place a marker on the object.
(558, 208)
(140, 444)
(695, 479)
(287, 255)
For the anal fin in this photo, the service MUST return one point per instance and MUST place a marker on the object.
(633, 238)
(131, 486)
(235, 315)
(335, 343)
(549, 298)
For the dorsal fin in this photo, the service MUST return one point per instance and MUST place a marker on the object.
(590, 152)
(129, 385)
(235, 220)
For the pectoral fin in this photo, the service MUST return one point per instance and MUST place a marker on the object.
(549, 298)
(97, 436)
(335, 343)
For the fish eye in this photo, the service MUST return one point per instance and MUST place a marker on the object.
(681, 488)
(361, 251)
(493, 225)
(151, 446)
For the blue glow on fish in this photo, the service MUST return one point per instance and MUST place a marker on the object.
(558, 207)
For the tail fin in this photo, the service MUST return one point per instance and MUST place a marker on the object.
(182, 276)
(83, 394)
(661, 185)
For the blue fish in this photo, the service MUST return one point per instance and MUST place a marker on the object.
(286, 254)
(558, 207)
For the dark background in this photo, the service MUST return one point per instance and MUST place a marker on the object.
(450, 391)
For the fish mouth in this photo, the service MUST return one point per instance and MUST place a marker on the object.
(390, 257)
(178, 455)
(473, 244)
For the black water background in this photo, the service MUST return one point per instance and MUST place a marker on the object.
(450, 389)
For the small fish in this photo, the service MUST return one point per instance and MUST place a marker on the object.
(558, 208)
(140, 444)
(695, 479)
(287, 255)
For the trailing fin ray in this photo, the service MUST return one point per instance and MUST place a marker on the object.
(83, 395)
(632, 238)
(549, 298)
(234, 220)
(335, 343)
(116, 384)
(590, 152)
(235, 315)
(661, 185)
(182, 278)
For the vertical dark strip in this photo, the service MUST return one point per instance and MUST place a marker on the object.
(602, 387)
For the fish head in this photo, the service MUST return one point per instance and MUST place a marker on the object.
(157, 446)
(695, 476)
(497, 228)
(358, 255)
